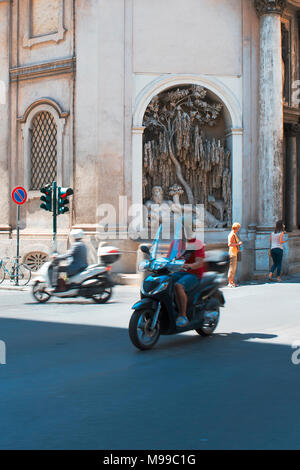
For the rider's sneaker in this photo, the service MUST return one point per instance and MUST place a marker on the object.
(181, 321)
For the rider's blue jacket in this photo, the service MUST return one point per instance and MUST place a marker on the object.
(77, 258)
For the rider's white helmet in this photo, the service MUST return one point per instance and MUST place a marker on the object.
(77, 233)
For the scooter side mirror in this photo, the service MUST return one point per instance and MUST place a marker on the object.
(145, 249)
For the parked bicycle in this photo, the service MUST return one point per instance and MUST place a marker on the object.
(19, 273)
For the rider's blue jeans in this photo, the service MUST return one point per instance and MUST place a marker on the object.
(187, 280)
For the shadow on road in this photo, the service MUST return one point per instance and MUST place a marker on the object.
(86, 387)
(179, 341)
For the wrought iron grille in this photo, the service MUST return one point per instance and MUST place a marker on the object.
(35, 260)
(43, 150)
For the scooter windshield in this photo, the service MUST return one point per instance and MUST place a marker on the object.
(155, 244)
(176, 248)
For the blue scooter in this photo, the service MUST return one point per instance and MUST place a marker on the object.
(155, 314)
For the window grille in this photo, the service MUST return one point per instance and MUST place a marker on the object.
(43, 150)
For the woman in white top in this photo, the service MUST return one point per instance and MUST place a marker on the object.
(276, 249)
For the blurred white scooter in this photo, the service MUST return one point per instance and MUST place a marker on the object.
(95, 282)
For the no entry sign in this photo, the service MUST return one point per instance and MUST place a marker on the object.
(19, 195)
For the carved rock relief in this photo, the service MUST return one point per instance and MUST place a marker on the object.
(177, 151)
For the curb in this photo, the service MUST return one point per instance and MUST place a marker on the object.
(14, 288)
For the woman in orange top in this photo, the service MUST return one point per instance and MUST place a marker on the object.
(234, 246)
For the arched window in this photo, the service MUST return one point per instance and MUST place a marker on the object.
(42, 128)
(43, 150)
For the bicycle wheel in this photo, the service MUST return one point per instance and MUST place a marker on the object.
(24, 275)
(2, 274)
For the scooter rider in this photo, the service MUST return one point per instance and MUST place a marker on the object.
(76, 256)
(190, 277)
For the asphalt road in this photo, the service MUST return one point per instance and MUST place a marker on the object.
(73, 380)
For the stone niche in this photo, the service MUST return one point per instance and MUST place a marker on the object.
(185, 157)
(45, 21)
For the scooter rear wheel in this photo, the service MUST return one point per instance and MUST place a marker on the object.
(103, 296)
(139, 329)
(208, 329)
(39, 294)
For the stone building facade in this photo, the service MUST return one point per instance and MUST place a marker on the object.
(77, 78)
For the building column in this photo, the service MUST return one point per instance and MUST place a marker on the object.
(291, 178)
(270, 127)
(137, 165)
(236, 146)
(270, 133)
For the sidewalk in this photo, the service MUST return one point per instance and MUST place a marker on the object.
(133, 280)
(293, 278)
(8, 285)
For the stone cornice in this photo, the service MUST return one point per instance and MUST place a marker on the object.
(44, 69)
(291, 114)
(267, 7)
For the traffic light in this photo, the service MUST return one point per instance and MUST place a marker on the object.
(46, 198)
(62, 199)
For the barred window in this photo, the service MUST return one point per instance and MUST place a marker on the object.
(43, 150)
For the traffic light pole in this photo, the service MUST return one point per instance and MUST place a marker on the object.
(54, 201)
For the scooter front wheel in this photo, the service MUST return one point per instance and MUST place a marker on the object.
(39, 293)
(140, 331)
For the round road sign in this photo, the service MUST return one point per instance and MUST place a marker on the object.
(19, 195)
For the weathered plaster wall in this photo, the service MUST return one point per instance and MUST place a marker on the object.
(43, 51)
(60, 90)
(4, 114)
(24, 92)
(250, 61)
(99, 106)
(199, 36)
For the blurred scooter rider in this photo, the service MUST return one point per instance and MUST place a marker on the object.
(189, 278)
(76, 256)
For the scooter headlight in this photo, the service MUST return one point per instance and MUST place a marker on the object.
(163, 286)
